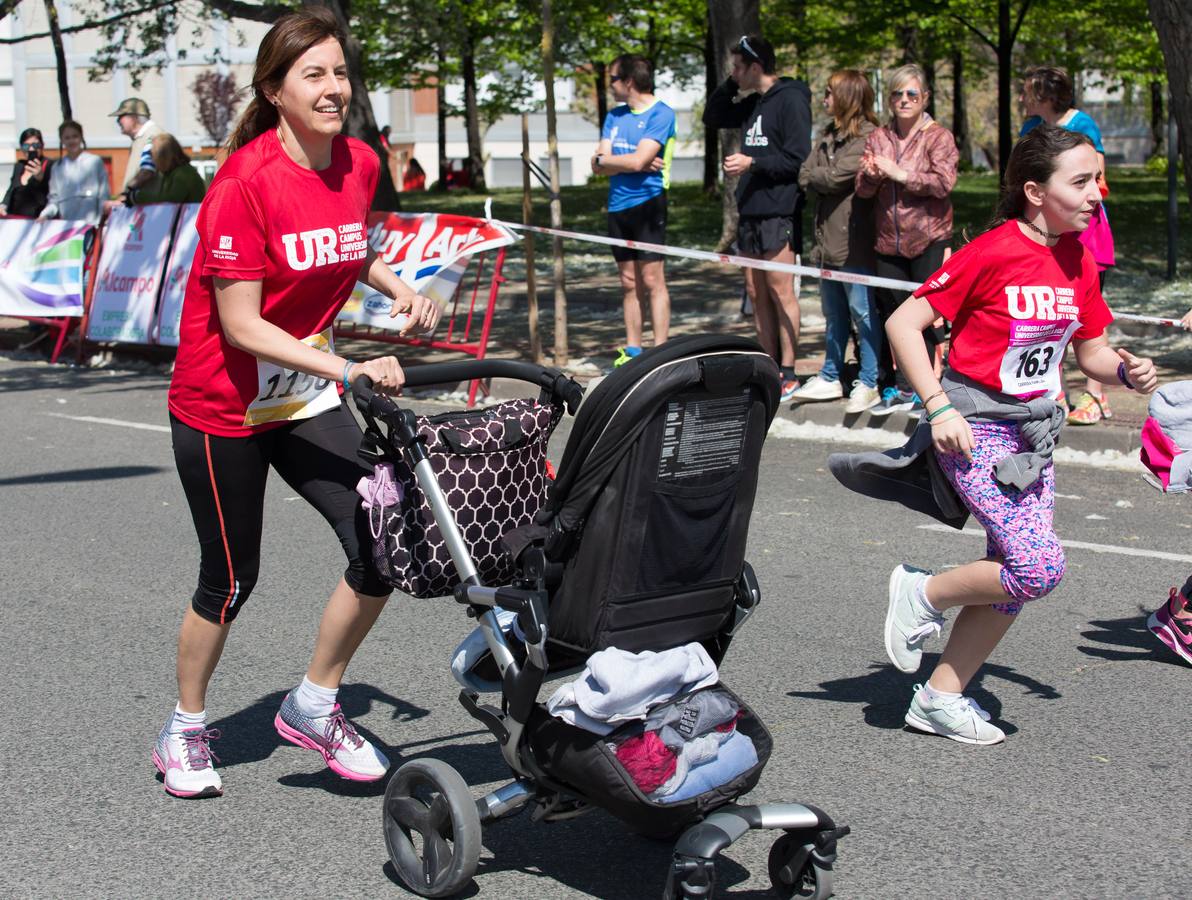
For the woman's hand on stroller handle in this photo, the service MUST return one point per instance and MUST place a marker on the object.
(384, 374)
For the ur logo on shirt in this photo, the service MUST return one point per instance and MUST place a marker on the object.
(754, 136)
(1040, 302)
(319, 246)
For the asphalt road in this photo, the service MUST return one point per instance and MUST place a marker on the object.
(1087, 797)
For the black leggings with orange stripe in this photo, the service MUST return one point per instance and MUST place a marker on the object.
(224, 481)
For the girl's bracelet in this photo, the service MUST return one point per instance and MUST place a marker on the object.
(1122, 376)
(943, 409)
(942, 421)
(348, 366)
(938, 393)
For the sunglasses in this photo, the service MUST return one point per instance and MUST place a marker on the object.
(743, 43)
(613, 79)
(910, 94)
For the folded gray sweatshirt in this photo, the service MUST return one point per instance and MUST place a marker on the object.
(911, 475)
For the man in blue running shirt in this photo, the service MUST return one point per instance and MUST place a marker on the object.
(636, 145)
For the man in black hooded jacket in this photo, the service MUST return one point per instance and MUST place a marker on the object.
(774, 115)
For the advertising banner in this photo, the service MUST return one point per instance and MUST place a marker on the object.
(428, 251)
(128, 277)
(41, 267)
(186, 240)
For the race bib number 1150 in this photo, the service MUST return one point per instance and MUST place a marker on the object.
(284, 395)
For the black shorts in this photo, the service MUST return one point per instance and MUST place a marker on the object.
(644, 222)
(224, 482)
(757, 236)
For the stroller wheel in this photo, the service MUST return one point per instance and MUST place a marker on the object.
(432, 828)
(795, 872)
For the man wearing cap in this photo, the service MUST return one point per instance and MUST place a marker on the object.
(132, 116)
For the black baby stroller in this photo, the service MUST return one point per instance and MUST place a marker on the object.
(639, 546)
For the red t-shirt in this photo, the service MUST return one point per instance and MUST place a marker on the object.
(302, 234)
(1014, 305)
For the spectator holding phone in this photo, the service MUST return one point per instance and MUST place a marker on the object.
(29, 190)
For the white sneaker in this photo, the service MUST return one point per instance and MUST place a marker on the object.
(817, 388)
(908, 621)
(958, 718)
(861, 397)
(185, 759)
(346, 753)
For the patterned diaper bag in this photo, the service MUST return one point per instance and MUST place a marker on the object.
(492, 467)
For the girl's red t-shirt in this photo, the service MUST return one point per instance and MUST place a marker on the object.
(1014, 305)
(303, 234)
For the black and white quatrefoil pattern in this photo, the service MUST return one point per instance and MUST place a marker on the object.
(491, 466)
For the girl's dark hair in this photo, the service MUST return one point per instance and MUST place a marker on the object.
(291, 36)
(1033, 159)
(1048, 84)
(29, 133)
(70, 123)
(852, 101)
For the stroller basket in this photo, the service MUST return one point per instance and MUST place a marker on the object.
(491, 465)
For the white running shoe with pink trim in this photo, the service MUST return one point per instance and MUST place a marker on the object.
(186, 761)
(335, 738)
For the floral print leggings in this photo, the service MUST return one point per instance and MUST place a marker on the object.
(1018, 524)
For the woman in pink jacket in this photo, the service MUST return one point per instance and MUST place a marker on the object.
(909, 166)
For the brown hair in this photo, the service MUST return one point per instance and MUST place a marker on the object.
(636, 70)
(291, 36)
(167, 153)
(753, 48)
(852, 101)
(1033, 159)
(1048, 84)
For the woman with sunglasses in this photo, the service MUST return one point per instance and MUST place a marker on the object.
(29, 190)
(910, 167)
(844, 240)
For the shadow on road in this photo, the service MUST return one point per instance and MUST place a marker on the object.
(100, 473)
(1130, 634)
(886, 692)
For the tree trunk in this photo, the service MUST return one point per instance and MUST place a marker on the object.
(599, 77)
(1158, 120)
(60, 58)
(1173, 23)
(441, 114)
(711, 142)
(361, 123)
(556, 204)
(960, 129)
(729, 19)
(1005, 63)
(472, 116)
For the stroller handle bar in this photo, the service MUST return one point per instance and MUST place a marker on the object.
(559, 385)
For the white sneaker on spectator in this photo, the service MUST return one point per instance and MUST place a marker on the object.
(861, 397)
(817, 388)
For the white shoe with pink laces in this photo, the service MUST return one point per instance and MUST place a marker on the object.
(186, 761)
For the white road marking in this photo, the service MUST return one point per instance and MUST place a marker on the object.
(1076, 545)
(95, 420)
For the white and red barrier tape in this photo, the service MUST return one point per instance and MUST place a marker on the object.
(750, 263)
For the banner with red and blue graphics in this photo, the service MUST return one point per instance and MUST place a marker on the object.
(41, 267)
(428, 251)
(182, 254)
(128, 276)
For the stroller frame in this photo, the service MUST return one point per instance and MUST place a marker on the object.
(801, 859)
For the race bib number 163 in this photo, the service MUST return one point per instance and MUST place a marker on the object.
(284, 395)
(1032, 361)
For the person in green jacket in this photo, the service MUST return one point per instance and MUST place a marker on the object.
(177, 181)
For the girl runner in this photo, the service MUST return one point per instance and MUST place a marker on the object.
(282, 242)
(1016, 296)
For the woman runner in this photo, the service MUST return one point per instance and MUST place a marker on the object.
(1016, 296)
(282, 241)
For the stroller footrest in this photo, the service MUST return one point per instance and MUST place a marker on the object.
(489, 716)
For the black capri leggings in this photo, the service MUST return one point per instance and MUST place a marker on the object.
(224, 481)
(918, 269)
